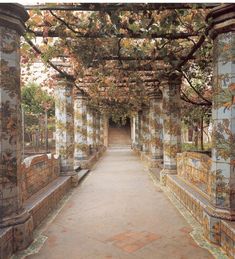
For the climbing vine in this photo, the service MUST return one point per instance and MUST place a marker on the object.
(117, 53)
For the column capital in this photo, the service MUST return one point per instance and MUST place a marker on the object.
(79, 94)
(221, 19)
(68, 79)
(13, 16)
(155, 95)
(144, 107)
(174, 78)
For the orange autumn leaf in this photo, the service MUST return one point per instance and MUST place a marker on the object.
(232, 86)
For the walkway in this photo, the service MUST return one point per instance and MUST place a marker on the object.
(118, 212)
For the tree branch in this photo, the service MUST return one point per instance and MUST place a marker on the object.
(37, 50)
(64, 23)
(193, 50)
(185, 98)
(195, 90)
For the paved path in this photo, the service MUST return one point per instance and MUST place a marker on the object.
(118, 212)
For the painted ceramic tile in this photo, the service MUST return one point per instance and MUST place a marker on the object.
(64, 124)
(80, 127)
(10, 114)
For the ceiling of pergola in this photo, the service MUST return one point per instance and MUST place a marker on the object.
(123, 51)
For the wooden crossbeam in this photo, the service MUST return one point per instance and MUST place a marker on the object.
(169, 36)
(107, 7)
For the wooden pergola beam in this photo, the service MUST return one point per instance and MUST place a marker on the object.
(153, 80)
(107, 7)
(169, 36)
(126, 58)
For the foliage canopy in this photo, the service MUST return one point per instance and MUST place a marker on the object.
(117, 54)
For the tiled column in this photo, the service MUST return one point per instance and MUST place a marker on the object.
(142, 129)
(171, 123)
(101, 130)
(97, 130)
(106, 130)
(94, 147)
(12, 213)
(155, 126)
(90, 126)
(137, 132)
(132, 128)
(222, 177)
(64, 124)
(141, 123)
(145, 130)
(80, 128)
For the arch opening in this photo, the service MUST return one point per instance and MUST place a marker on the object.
(119, 134)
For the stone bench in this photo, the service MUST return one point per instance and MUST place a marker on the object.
(46, 200)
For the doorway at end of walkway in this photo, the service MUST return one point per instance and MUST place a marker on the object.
(119, 134)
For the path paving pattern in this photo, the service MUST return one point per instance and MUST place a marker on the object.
(119, 213)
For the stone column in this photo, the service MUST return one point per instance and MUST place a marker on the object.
(171, 123)
(64, 124)
(80, 128)
(12, 213)
(90, 126)
(155, 126)
(222, 177)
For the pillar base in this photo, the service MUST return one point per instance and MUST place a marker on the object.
(22, 226)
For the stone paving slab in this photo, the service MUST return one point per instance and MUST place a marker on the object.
(118, 212)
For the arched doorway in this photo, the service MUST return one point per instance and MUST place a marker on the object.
(118, 134)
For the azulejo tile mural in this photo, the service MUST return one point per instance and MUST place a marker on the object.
(223, 140)
(64, 124)
(195, 168)
(80, 127)
(171, 121)
(155, 127)
(10, 122)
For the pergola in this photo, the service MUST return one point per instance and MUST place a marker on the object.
(153, 77)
